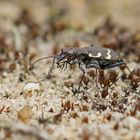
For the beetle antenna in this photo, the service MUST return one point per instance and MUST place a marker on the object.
(32, 65)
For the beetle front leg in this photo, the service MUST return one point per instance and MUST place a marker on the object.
(64, 66)
(50, 71)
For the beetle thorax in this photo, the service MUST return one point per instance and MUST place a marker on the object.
(69, 50)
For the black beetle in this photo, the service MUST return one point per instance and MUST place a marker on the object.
(86, 58)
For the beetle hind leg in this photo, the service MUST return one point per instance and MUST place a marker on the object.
(97, 80)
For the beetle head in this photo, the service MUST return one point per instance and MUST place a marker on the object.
(65, 55)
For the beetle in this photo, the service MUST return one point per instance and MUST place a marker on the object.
(86, 58)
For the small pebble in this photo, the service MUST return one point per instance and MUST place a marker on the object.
(31, 87)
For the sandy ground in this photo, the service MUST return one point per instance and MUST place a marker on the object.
(49, 110)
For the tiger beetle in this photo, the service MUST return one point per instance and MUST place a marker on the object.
(86, 58)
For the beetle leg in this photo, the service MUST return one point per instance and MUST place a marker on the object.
(65, 66)
(96, 80)
(58, 65)
(50, 71)
(83, 71)
(128, 69)
(61, 66)
(114, 65)
(118, 64)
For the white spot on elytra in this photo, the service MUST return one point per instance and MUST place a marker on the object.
(108, 54)
(96, 56)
